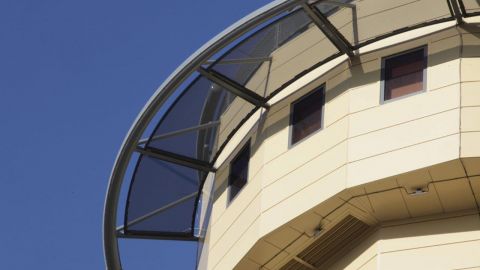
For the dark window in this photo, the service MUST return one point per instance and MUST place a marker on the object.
(404, 74)
(307, 115)
(239, 171)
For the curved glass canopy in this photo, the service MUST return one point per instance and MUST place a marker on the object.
(200, 118)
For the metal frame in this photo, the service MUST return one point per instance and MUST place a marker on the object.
(424, 48)
(176, 158)
(455, 10)
(233, 87)
(157, 211)
(180, 132)
(167, 89)
(328, 29)
(110, 244)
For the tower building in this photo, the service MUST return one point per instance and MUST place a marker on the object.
(329, 134)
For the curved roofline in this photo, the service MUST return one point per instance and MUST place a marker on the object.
(161, 95)
(110, 243)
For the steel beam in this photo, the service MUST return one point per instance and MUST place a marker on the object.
(151, 236)
(233, 87)
(176, 158)
(180, 132)
(457, 13)
(238, 61)
(157, 211)
(328, 29)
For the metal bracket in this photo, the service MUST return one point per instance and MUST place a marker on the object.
(328, 29)
(234, 87)
(176, 158)
(457, 13)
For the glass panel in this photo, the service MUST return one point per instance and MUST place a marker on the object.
(190, 127)
(307, 115)
(471, 6)
(162, 197)
(361, 21)
(276, 54)
(404, 74)
(239, 171)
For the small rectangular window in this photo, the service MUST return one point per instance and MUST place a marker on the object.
(404, 74)
(239, 171)
(306, 115)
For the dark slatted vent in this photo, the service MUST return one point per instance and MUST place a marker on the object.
(330, 246)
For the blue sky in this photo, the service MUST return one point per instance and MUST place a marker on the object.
(73, 77)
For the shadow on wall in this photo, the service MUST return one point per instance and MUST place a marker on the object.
(352, 73)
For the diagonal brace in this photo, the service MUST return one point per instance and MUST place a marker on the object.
(328, 29)
(234, 87)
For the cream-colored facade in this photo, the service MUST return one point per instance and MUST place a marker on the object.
(383, 185)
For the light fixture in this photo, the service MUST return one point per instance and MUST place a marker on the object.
(418, 191)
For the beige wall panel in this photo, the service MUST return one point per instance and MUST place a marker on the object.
(326, 207)
(316, 146)
(472, 165)
(230, 119)
(400, 136)
(470, 68)
(443, 69)
(258, 80)
(297, 55)
(471, 42)
(455, 195)
(470, 119)
(403, 160)
(240, 212)
(471, 93)
(276, 130)
(305, 223)
(226, 257)
(414, 179)
(470, 145)
(256, 155)
(302, 61)
(424, 204)
(342, 20)
(275, 215)
(307, 174)
(429, 233)
(448, 170)
(372, 12)
(395, 112)
(336, 108)
(263, 252)
(220, 196)
(381, 185)
(247, 264)
(389, 205)
(275, 262)
(301, 43)
(435, 257)
(282, 237)
(443, 62)
(364, 97)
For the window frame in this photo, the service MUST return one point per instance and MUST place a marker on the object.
(424, 75)
(247, 145)
(322, 88)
